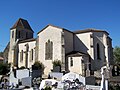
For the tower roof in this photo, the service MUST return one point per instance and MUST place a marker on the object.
(22, 23)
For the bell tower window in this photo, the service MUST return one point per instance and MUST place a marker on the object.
(98, 51)
(12, 34)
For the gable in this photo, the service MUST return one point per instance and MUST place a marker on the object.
(49, 25)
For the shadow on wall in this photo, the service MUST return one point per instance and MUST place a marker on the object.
(77, 46)
(80, 46)
(99, 54)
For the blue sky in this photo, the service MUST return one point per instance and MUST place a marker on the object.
(69, 14)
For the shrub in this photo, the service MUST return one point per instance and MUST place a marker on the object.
(4, 68)
(56, 63)
(38, 65)
(47, 88)
(22, 67)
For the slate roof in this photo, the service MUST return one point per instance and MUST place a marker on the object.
(22, 23)
(89, 30)
(55, 27)
(27, 40)
(76, 53)
(77, 31)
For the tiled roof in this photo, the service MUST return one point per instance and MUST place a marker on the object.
(76, 32)
(89, 30)
(27, 40)
(76, 53)
(55, 27)
(22, 23)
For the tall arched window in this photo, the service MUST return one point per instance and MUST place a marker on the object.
(31, 54)
(98, 51)
(12, 34)
(21, 56)
(48, 50)
(71, 61)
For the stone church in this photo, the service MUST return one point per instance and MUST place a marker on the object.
(82, 51)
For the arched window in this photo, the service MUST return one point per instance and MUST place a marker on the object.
(21, 56)
(98, 51)
(31, 54)
(12, 34)
(48, 50)
(71, 61)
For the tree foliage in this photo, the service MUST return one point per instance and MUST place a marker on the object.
(1, 54)
(4, 68)
(116, 53)
(56, 63)
(22, 67)
(38, 65)
(47, 88)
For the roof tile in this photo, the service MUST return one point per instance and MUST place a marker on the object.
(22, 23)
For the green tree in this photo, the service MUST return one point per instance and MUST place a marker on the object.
(4, 68)
(1, 54)
(56, 66)
(116, 53)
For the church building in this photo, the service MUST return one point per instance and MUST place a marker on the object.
(82, 51)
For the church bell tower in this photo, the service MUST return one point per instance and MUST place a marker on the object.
(20, 31)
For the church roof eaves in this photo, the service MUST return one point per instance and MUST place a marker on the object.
(55, 27)
(76, 53)
(22, 23)
(27, 40)
(89, 30)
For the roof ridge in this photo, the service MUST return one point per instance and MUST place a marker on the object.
(90, 30)
(21, 21)
(94, 29)
(55, 27)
